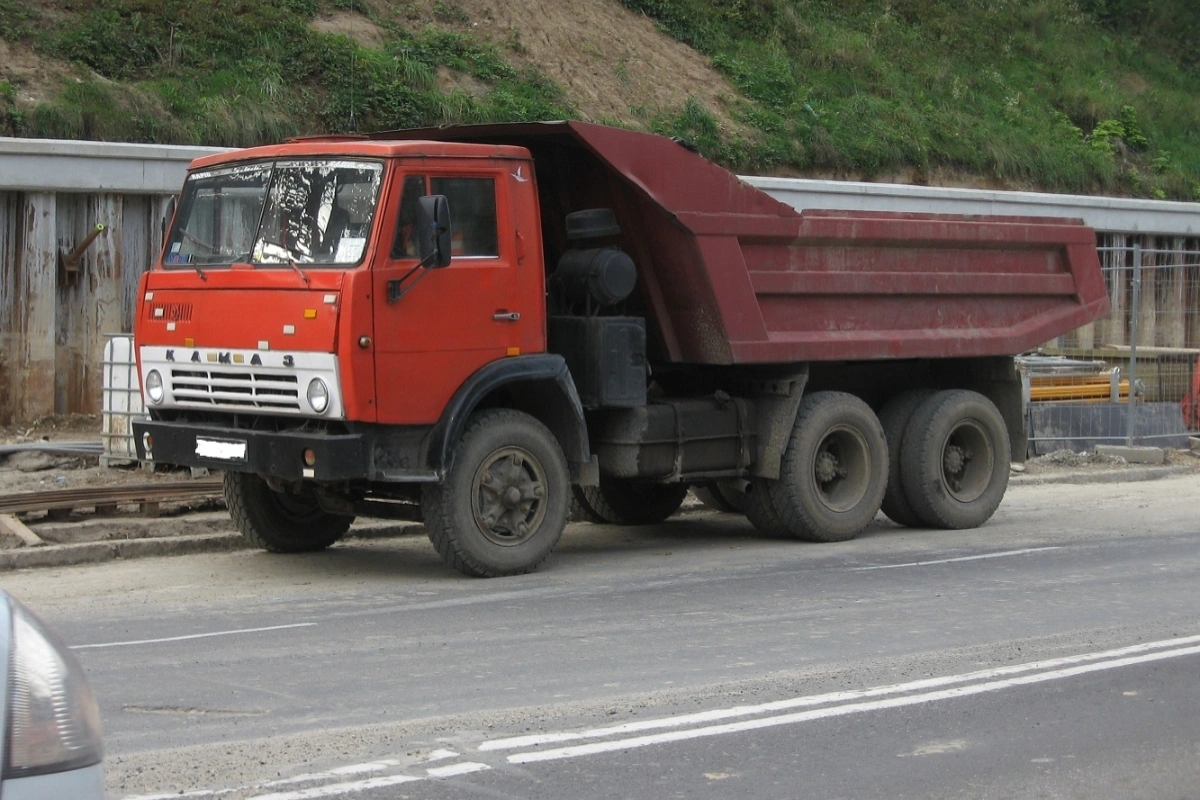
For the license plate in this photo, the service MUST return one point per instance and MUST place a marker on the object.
(221, 449)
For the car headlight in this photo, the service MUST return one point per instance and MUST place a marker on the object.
(154, 387)
(54, 721)
(318, 395)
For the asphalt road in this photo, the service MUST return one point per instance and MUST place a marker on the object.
(1053, 653)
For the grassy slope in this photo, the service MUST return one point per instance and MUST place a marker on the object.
(1037, 93)
(240, 72)
(1067, 95)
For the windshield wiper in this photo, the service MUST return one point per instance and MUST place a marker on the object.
(291, 260)
(211, 250)
(296, 268)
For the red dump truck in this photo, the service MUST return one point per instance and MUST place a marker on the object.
(484, 326)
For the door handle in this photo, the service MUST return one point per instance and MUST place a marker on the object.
(506, 316)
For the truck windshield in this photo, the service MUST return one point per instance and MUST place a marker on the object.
(310, 211)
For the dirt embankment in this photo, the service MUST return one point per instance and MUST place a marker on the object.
(613, 64)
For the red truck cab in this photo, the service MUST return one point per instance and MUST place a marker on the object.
(320, 276)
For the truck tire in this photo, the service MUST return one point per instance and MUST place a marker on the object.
(580, 511)
(761, 511)
(503, 505)
(623, 501)
(723, 496)
(834, 471)
(895, 416)
(280, 522)
(954, 460)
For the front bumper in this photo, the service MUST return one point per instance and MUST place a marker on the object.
(275, 454)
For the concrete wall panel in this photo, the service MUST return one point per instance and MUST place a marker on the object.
(34, 317)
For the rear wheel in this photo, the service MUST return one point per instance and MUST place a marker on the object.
(503, 505)
(724, 495)
(955, 460)
(622, 501)
(761, 511)
(280, 522)
(834, 471)
(894, 417)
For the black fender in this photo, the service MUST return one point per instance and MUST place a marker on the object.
(540, 385)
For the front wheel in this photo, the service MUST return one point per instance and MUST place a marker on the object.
(503, 506)
(280, 522)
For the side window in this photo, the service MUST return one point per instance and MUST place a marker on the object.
(405, 243)
(472, 214)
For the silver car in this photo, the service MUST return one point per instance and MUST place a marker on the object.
(50, 725)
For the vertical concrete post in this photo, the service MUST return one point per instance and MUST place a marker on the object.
(11, 221)
(1117, 277)
(1148, 310)
(104, 277)
(1173, 331)
(34, 320)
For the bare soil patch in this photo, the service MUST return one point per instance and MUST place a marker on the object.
(615, 65)
(355, 26)
(35, 77)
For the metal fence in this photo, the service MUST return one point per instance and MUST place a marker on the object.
(1131, 377)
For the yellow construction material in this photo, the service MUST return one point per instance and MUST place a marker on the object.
(1080, 388)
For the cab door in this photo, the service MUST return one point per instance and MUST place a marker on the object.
(434, 328)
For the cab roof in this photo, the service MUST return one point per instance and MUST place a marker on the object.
(353, 146)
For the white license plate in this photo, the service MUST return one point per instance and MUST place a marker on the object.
(221, 449)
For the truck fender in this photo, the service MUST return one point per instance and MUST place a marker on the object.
(541, 386)
(777, 395)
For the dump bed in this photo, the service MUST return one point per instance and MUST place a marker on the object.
(729, 275)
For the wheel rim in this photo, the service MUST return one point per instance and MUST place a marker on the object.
(967, 461)
(509, 501)
(840, 471)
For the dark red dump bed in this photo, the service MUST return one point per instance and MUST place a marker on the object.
(730, 275)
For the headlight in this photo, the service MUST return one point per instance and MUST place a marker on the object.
(318, 395)
(154, 386)
(54, 722)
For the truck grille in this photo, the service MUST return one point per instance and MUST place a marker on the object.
(170, 312)
(230, 389)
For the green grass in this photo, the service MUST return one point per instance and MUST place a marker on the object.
(1047, 93)
(1063, 95)
(243, 72)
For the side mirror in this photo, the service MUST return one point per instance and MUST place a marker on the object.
(433, 231)
(168, 215)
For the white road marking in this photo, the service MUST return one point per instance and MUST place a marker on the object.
(191, 636)
(841, 710)
(1004, 554)
(465, 768)
(333, 789)
(823, 699)
(441, 755)
(337, 772)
